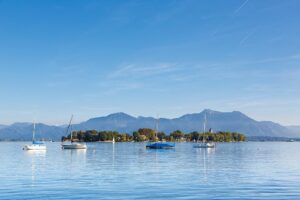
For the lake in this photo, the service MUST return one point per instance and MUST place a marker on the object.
(250, 170)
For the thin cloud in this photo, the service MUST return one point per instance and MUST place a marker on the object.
(241, 6)
(296, 56)
(114, 87)
(244, 39)
(60, 83)
(182, 72)
(139, 70)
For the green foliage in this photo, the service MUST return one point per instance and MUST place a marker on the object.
(161, 136)
(177, 135)
(147, 134)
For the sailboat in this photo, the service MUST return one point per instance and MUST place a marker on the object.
(72, 145)
(36, 145)
(113, 140)
(204, 144)
(159, 145)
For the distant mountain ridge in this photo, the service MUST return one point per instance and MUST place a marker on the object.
(294, 129)
(23, 131)
(122, 122)
(2, 126)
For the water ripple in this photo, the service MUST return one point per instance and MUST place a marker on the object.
(130, 171)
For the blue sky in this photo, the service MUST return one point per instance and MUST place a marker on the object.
(92, 58)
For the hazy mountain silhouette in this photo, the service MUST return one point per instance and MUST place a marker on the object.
(2, 126)
(294, 129)
(122, 122)
(23, 131)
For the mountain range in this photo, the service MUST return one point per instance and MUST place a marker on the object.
(2, 126)
(294, 129)
(122, 122)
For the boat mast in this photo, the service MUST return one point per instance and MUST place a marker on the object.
(204, 127)
(204, 124)
(69, 127)
(33, 131)
(156, 127)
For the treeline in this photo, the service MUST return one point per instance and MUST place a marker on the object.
(147, 134)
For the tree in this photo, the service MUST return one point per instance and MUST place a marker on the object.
(148, 133)
(241, 137)
(136, 135)
(87, 137)
(161, 136)
(177, 135)
(145, 134)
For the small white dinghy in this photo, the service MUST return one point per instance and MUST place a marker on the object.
(36, 145)
(73, 145)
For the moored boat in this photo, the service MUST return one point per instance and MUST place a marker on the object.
(36, 145)
(159, 145)
(72, 145)
(204, 143)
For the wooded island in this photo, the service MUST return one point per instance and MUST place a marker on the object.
(147, 134)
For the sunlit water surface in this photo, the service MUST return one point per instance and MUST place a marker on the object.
(266, 170)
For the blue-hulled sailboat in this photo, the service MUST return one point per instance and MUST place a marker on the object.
(159, 145)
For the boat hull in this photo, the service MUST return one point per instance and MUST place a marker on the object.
(35, 147)
(205, 145)
(74, 146)
(160, 146)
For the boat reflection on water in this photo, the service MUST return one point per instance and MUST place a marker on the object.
(77, 152)
(36, 154)
(207, 151)
(37, 161)
(205, 158)
(78, 155)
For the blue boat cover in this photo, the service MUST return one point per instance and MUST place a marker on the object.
(159, 145)
(37, 142)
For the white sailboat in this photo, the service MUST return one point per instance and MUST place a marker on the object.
(204, 144)
(113, 140)
(36, 145)
(72, 145)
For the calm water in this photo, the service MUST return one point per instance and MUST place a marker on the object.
(269, 170)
